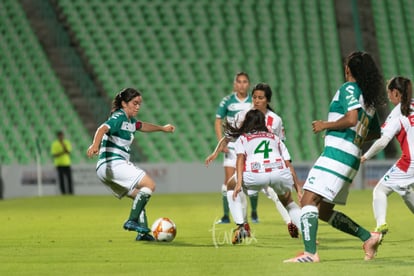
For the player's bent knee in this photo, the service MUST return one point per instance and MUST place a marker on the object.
(147, 182)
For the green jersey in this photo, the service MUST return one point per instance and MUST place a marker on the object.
(117, 141)
(231, 105)
(343, 147)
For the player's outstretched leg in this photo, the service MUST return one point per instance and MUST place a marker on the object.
(140, 200)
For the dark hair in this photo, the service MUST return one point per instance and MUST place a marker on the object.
(126, 95)
(268, 92)
(403, 85)
(368, 78)
(253, 121)
(241, 74)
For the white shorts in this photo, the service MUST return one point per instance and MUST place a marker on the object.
(398, 180)
(280, 180)
(331, 187)
(230, 157)
(120, 176)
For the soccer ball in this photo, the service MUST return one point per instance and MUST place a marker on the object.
(164, 229)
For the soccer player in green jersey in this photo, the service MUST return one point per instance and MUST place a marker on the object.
(112, 141)
(351, 121)
(229, 106)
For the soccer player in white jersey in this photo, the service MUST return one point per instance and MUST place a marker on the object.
(400, 177)
(228, 108)
(262, 160)
(351, 121)
(112, 141)
(262, 95)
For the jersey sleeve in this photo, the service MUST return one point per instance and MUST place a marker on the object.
(68, 145)
(279, 130)
(54, 149)
(114, 123)
(238, 146)
(284, 151)
(392, 128)
(349, 96)
(222, 108)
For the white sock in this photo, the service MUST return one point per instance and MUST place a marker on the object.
(146, 190)
(294, 213)
(224, 189)
(279, 206)
(379, 203)
(244, 201)
(236, 207)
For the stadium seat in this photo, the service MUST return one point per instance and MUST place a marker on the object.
(183, 56)
(29, 87)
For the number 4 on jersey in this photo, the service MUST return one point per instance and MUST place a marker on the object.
(263, 147)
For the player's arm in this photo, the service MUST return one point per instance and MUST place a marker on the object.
(218, 128)
(220, 146)
(148, 127)
(350, 119)
(379, 145)
(241, 159)
(97, 139)
(219, 133)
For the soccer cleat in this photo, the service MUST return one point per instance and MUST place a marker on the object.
(247, 229)
(223, 220)
(370, 246)
(293, 230)
(131, 225)
(255, 218)
(304, 257)
(382, 228)
(144, 237)
(239, 234)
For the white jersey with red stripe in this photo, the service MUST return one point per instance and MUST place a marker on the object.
(402, 128)
(273, 122)
(264, 151)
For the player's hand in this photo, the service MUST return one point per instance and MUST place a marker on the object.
(318, 126)
(236, 191)
(363, 159)
(210, 158)
(92, 151)
(168, 128)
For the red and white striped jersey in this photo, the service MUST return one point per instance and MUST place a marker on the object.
(264, 151)
(402, 128)
(273, 122)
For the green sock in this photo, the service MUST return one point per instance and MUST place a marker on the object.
(226, 205)
(143, 221)
(254, 199)
(138, 205)
(345, 224)
(309, 226)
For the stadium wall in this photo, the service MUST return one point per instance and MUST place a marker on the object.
(31, 181)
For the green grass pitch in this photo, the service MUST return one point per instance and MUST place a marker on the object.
(83, 235)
